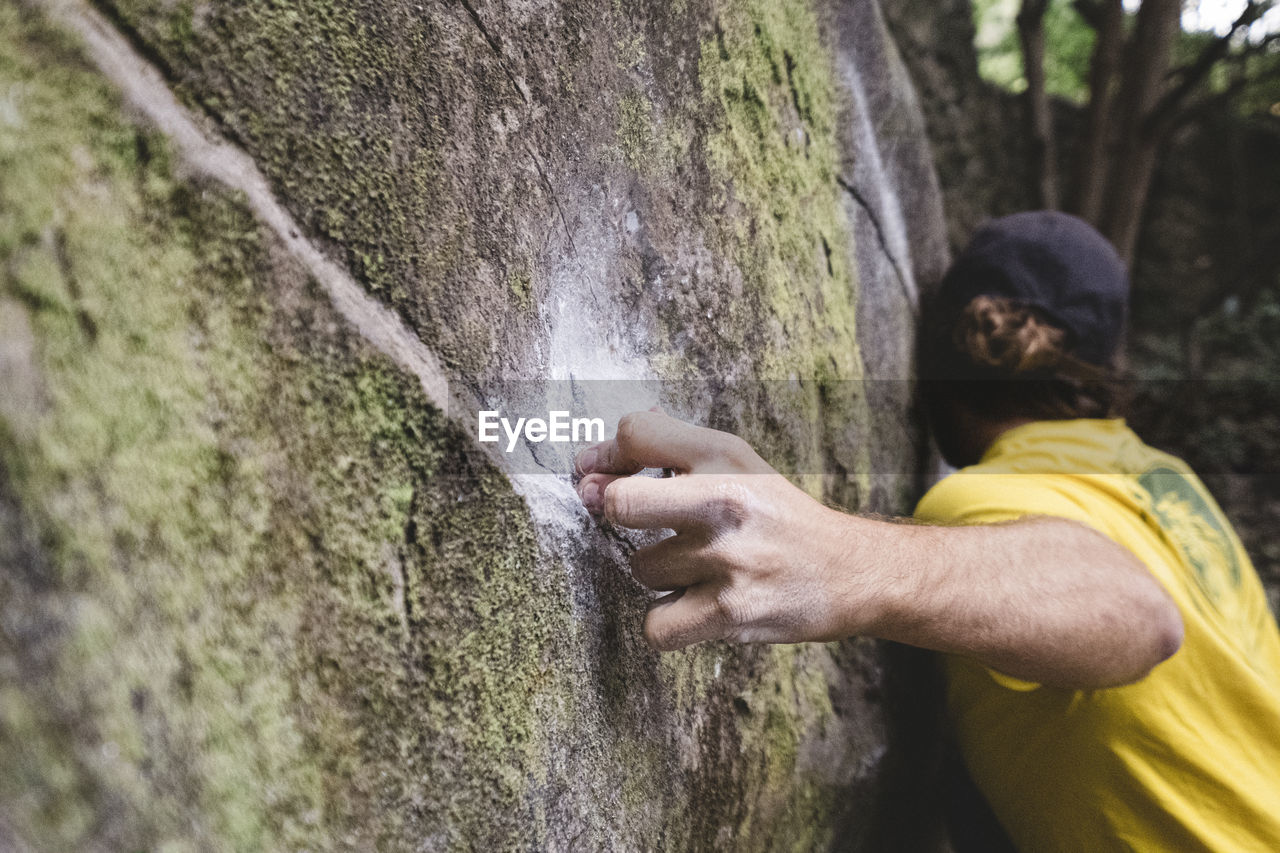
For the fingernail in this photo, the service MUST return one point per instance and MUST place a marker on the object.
(591, 498)
(587, 461)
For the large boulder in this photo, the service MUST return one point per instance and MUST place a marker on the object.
(260, 585)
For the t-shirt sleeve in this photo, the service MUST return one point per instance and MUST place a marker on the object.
(978, 498)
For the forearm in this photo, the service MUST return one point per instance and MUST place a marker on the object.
(1042, 599)
(755, 559)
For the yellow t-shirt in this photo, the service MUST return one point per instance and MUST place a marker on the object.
(1187, 759)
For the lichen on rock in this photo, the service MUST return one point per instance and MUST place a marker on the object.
(258, 590)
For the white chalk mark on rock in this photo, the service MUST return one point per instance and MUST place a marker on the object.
(574, 349)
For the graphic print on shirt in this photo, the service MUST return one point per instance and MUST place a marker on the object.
(1194, 526)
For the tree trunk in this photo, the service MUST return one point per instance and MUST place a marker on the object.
(1090, 160)
(1133, 162)
(1039, 117)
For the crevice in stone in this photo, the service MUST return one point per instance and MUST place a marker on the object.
(862, 202)
(537, 164)
(144, 87)
(496, 46)
(62, 256)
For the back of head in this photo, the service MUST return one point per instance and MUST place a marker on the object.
(1027, 323)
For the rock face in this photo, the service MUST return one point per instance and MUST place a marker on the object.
(973, 125)
(262, 588)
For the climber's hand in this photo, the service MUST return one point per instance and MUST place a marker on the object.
(754, 558)
(1046, 600)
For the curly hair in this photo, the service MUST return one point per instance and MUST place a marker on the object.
(1005, 359)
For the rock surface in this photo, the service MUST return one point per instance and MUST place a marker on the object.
(262, 589)
(978, 149)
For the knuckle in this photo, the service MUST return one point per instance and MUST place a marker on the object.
(616, 501)
(715, 555)
(655, 636)
(729, 609)
(626, 430)
(730, 557)
(730, 503)
(736, 448)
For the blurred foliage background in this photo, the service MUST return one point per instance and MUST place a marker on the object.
(1204, 353)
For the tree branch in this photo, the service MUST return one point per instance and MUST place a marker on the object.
(1190, 76)
(1206, 104)
(1133, 159)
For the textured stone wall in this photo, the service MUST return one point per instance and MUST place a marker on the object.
(974, 126)
(259, 586)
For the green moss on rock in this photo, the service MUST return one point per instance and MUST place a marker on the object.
(349, 109)
(775, 153)
(767, 73)
(266, 597)
(261, 556)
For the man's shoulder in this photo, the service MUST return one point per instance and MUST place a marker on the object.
(983, 494)
(1085, 470)
(1074, 447)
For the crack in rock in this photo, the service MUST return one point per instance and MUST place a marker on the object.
(496, 47)
(881, 238)
(563, 523)
(145, 89)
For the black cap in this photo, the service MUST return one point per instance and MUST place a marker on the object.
(1054, 262)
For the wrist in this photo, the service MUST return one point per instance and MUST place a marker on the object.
(873, 576)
